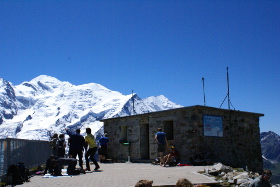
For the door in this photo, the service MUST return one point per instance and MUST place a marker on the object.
(144, 141)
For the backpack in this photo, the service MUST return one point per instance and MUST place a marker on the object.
(18, 173)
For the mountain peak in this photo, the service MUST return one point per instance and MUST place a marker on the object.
(45, 78)
(160, 102)
(270, 143)
(41, 86)
(46, 105)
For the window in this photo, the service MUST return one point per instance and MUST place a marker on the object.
(123, 136)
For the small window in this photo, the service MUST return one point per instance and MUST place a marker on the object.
(123, 137)
(168, 129)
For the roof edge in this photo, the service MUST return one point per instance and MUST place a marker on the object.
(183, 108)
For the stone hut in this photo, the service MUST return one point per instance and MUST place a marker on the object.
(227, 136)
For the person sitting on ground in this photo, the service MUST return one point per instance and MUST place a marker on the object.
(52, 166)
(172, 157)
(144, 183)
(55, 164)
(183, 183)
(263, 180)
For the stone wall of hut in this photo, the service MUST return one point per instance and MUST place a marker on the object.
(238, 147)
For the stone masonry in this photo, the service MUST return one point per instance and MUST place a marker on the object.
(239, 146)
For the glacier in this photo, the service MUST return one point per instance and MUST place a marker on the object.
(45, 105)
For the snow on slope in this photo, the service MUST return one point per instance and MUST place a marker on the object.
(157, 103)
(46, 105)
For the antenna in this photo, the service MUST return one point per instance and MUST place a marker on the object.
(203, 91)
(132, 102)
(227, 96)
(228, 90)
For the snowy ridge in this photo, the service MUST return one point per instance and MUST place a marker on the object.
(157, 103)
(46, 105)
(270, 144)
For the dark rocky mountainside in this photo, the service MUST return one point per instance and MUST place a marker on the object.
(270, 143)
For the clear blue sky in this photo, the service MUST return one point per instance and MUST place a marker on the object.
(154, 47)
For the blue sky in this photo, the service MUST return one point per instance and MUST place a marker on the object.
(153, 47)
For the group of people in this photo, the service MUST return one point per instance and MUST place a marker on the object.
(58, 145)
(170, 158)
(78, 144)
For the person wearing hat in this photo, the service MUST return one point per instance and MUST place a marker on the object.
(172, 157)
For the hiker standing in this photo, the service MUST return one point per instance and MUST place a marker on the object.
(90, 141)
(160, 138)
(61, 144)
(102, 151)
(53, 144)
(77, 144)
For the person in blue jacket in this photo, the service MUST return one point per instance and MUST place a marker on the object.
(160, 138)
(102, 151)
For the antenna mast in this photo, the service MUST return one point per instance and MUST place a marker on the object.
(132, 102)
(203, 91)
(227, 96)
(228, 90)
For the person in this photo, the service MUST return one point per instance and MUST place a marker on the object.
(71, 165)
(69, 148)
(183, 183)
(144, 183)
(55, 164)
(90, 142)
(53, 144)
(263, 180)
(102, 151)
(52, 166)
(160, 138)
(61, 144)
(77, 145)
(172, 157)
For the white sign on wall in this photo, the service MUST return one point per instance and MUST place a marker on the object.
(213, 125)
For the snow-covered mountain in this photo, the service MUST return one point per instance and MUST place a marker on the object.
(270, 144)
(46, 105)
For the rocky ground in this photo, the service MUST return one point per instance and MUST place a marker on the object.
(228, 176)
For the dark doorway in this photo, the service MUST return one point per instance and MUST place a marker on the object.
(168, 129)
(144, 141)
